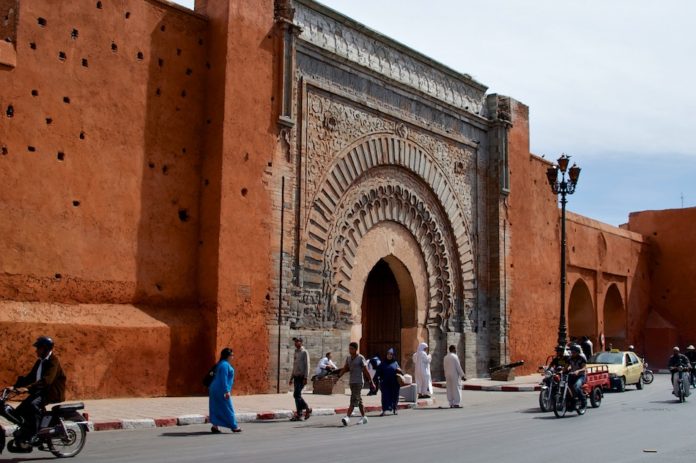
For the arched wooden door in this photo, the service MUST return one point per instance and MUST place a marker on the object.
(381, 312)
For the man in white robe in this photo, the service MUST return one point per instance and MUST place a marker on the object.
(421, 362)
(454, 375)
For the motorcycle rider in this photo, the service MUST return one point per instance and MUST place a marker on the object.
(576, 368)
(691, 355)
(45, 384)
(561, 358)
(675, 361)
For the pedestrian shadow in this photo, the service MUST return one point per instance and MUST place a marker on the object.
(672, 401)
(322, 426)
(188, 434)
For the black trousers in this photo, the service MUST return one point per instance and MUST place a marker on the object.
(30, 411)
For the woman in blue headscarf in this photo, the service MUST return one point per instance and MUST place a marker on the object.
(220, 406)
(388, 382)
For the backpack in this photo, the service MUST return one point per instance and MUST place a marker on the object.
(208, 378)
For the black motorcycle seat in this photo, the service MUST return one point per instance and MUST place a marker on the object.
(68, 407)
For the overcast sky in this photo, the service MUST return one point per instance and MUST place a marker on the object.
(610, 82)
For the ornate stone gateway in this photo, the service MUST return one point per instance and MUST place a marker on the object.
(390, 179)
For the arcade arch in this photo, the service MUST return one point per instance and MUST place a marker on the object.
(581, 312)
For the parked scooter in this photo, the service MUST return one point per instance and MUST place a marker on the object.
(647, 373)
(62, 431)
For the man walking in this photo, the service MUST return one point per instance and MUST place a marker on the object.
(454, 376)
(357, 366)
(300, 372)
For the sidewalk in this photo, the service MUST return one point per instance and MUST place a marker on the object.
(141, 413)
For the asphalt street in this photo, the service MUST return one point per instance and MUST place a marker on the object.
(634, 426)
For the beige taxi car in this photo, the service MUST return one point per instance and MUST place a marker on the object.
(625, 368)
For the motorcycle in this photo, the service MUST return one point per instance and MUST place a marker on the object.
(563, 400)
(62, 431)
(647, 373)
(548, 389)
(681, 383)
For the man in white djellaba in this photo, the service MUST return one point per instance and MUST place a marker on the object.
(454, 376)
(421, 362)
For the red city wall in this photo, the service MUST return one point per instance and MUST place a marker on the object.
(101, 156)
(598, 254)
(672, 237)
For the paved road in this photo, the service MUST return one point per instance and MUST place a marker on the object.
(493, 427)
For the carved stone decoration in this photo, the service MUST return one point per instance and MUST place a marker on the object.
(401, 130)
(386, 178)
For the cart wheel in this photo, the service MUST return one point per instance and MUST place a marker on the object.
(596, 397)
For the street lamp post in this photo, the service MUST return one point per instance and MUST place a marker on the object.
(563, 186)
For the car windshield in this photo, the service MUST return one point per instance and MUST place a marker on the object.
(614, 358)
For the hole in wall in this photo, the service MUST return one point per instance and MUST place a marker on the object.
(178, 52)
(268, 297)
(127, 15)
(76, 203)
(160, 61)
(60, 156)
(74, 34)
(158, 286)
(183, 215)
(151, 165)
(207, 64)
(99, 5)
(208, 121)
(183, 94)
(42, 22)
(32, 45)
(58, 276)
(140, 56)
(85, 63)
(206, 182)
(49, 121)
(4, 150)
(66, 99)
(244, 191)
(163, 28)
(158, 92)
(200, 41)
(270, 164)
(165, 169)
(114, 47)
(82, 135)
(10, 111)
(62, 56)
(183, 150)
(189, 71)
(31, 149)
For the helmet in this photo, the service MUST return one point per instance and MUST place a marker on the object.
(44, 341)
(575, 348)
(631, 347)
(691, 347)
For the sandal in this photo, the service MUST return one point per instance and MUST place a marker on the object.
(215, 430)
(296, 418)
(237, 430)
(307, 413)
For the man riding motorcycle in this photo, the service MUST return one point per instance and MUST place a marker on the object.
(576, 368)
(561, 358)
(675, 361)
(45, 384)
(691, 355)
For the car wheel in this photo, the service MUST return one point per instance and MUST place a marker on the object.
(622, 384)
(639, 384)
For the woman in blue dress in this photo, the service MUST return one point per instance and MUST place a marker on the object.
(220, 406)
(388, 382)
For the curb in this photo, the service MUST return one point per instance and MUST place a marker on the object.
(270, 415)
(501, 388)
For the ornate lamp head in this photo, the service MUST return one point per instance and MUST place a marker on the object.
(574, 174)
(552, 175)
(563, 162)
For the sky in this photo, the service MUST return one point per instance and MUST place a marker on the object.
(612, 83)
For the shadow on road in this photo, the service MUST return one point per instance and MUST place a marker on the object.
(671, 401)
(29, 459)
(535, 410)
